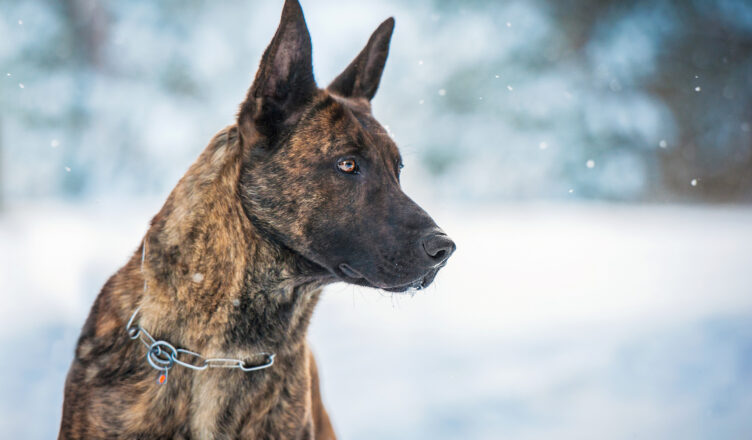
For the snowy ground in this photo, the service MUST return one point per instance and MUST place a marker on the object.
(550, 321)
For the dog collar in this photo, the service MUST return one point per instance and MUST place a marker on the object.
(161, 355)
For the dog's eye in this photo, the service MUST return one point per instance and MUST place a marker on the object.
(348, 166)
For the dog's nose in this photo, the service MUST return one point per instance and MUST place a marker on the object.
(438, 247)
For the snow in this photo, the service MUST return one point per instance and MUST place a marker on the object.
(550, 321)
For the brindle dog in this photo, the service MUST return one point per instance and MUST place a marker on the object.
(301, 192)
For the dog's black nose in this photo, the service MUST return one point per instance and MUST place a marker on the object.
(438, 246)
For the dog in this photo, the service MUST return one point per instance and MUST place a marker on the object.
(202, 334)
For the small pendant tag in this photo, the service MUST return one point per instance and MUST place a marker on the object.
(162, 379)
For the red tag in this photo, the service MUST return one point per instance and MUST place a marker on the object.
(162, 378)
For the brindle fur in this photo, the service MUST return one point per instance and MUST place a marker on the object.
(266, 220)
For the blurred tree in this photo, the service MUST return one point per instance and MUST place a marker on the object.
(498, 100)
(2, 174)
(703, 74)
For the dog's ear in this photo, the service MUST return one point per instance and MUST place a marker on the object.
(284, 82)
(361, 78)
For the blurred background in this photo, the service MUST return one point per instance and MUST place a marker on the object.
(592, 160)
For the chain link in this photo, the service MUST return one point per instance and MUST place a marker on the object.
(161, 355)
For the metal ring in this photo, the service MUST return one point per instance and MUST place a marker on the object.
(269, 362)
(133, 332)
(153, 355)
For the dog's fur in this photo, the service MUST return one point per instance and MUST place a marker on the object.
(236, 259)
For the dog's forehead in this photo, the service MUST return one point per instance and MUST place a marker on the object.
(351, 121)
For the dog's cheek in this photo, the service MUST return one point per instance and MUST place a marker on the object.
(326, 238)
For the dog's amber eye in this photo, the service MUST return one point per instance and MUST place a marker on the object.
(348, 166)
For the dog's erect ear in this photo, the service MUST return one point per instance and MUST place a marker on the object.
(284, 82)
(361, 78)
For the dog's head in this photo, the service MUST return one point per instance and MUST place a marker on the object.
(322, 176)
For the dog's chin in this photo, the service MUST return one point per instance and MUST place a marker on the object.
(349, 275)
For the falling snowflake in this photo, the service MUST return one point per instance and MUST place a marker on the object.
(510, 88)
(20, 22)
(421, 102)
(442, 92)
(197, 277)
(54, 143)
(698, 89)
(543, 145)
(663, 143)
(8, 74)
(497, 76)
(693, 182)
(67, 169)
(571, 191)
(590, 163)
(420, 62)
(20, 85)
(509, 24)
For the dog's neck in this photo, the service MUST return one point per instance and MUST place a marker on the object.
(214, 282)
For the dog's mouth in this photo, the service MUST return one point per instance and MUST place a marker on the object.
(349, 275)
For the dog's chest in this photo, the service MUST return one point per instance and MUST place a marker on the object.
(232, 404)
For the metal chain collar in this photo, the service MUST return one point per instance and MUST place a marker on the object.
(161, 355)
